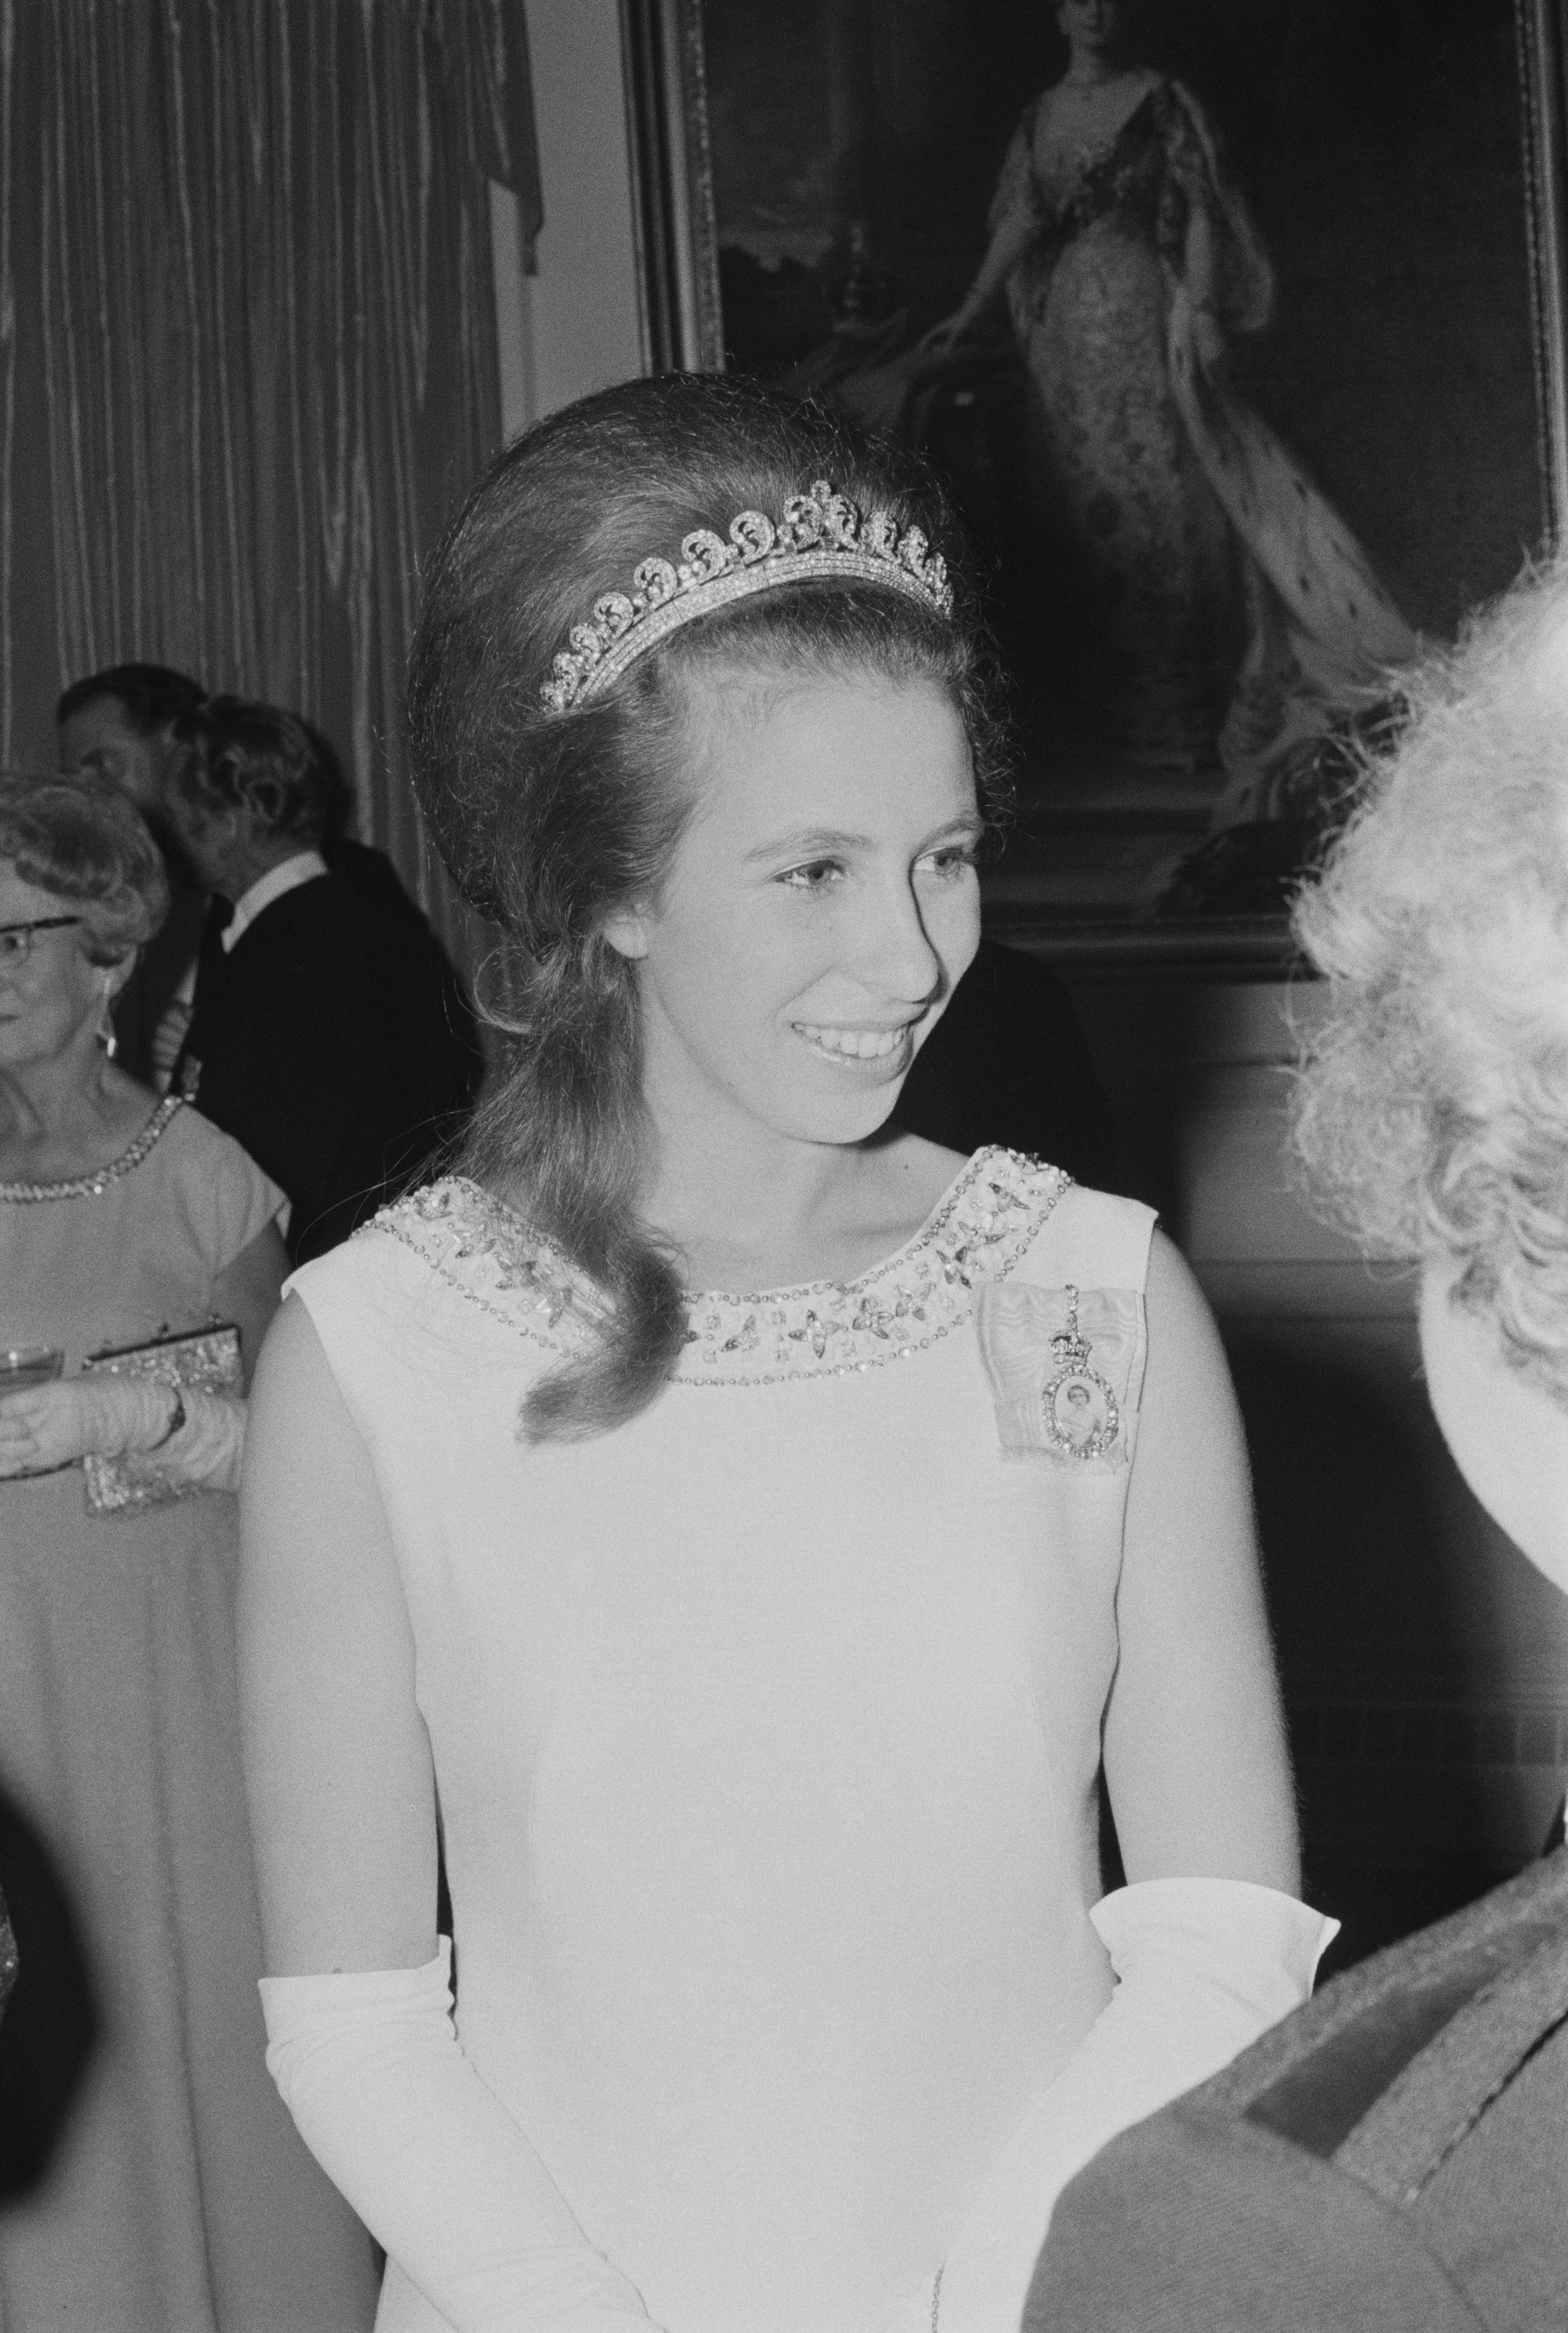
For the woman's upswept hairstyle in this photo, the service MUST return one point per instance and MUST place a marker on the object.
(1432, 1112)
(549, 821)
(80, 841)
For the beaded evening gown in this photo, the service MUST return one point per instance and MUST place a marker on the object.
(1231, 616)
(766, 1728)
(180, 2199)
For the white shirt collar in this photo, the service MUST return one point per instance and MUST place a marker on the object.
(302, 868)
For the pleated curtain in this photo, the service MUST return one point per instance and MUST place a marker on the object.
(247, 349)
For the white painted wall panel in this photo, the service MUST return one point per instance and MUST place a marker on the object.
(576, 325)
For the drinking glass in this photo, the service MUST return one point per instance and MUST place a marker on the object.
(28, 1365)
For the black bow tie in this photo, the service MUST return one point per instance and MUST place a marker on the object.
(212, 955)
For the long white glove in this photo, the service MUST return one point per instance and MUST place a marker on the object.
(210, 1448)
(106, 1416)
(371, 2068)
(1202, 1967)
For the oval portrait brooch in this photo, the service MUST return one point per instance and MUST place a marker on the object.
(1081, 1416)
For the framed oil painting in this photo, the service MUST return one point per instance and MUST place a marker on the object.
(1236, 333)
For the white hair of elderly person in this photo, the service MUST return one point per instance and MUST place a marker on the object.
(1433, 1113)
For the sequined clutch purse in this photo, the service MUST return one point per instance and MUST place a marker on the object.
(201, 1361)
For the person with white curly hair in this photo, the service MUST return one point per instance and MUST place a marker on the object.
(1434, 1114)
(1395, 2155)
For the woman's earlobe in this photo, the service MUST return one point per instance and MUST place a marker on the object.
(626, 931)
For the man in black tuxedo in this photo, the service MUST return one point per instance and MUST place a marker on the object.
(329, 1035)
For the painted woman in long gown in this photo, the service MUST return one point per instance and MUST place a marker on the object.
(1231, 617)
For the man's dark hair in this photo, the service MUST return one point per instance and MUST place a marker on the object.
(153, 697)
(236, 754)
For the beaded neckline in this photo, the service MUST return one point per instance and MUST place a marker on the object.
(94, 1185)
(978, 1231)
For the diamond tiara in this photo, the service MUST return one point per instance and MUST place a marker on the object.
(822, 534)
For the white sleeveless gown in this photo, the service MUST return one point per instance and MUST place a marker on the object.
(766, 1730)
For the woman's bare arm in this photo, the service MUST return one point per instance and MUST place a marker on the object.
(1201, 1787)
(1014, 233)
(1200, 274)
(1195, 1748)
(1013, 236)
(361, 2038)
(338, 1761)
(250, 1289)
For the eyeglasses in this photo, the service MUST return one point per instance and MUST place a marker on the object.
(16, 939)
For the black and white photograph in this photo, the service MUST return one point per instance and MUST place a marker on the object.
(783, 1166)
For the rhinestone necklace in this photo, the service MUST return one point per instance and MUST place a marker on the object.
(94, 1185)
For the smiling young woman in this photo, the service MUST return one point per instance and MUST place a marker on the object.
(821, 910)
(691, 1495)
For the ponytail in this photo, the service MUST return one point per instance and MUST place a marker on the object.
(566, 1126)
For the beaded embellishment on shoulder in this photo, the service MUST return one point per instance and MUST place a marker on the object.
(826, 1328)
(489, 1253)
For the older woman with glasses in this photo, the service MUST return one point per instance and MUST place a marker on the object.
(179, 2194)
